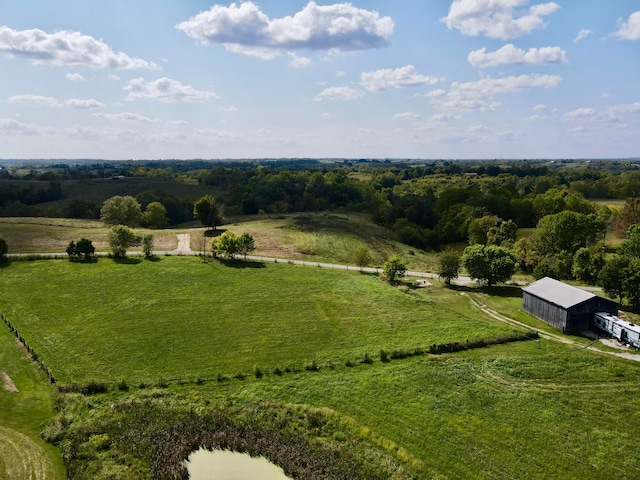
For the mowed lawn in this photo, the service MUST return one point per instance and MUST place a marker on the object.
(181, 318)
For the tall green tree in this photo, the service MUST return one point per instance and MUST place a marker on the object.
(567, 232)
(448, 266)
(490, 264)
(632, 283)
(147, 245)
(631, 246)
(120, 239)
(629, 215)
(121, 210)
(587, 263)
(612, 277)
(155, 215)
(479, 227)
(393, 269)
(246, 244)
(207, 211)
(503, 234)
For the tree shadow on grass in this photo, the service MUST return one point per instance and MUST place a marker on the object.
(500, 291)
(239, 263)
(5, 262)
(82, 260)
(128, 261)
(214, 233)
(153, 258)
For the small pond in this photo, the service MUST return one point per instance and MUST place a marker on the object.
(227, 465)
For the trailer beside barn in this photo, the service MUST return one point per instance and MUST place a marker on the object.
(567, 308)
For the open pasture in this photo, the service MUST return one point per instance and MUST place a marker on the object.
(510, 411)
(328, 237)
(182, 318)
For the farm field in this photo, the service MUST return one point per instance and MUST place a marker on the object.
(179, 317)
(490, 413)
(172, 325)
(321, 237)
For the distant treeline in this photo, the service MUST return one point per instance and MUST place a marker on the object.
(426, 204)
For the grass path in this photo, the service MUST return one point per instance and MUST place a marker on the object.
(22, 458)
(550, 336)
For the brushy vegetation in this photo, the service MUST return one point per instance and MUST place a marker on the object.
(150, 436)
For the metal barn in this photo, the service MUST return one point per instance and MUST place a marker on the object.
(563, 306)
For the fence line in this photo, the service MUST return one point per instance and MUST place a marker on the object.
(32, 354)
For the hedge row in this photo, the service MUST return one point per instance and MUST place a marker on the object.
(94, 386)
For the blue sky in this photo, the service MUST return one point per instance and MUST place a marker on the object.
(122, 79)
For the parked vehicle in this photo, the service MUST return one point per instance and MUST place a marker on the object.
(622, 330)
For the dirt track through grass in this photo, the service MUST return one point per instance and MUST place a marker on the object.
(21, 458)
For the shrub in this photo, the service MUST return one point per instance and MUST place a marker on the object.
(384, 356)
(257, 372)
(367, 359)
(312, 367)
(93, 387)
(122, 385)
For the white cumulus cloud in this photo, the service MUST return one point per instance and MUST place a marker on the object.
(478, 96)
(9, 126)
(582, 34)
(75, 77)
(297, 61)
(246, 29)
(400, 77)
(510, 55)
(83, 104)
(582, 112)
(127, 116)
(35, 101)
(629, 30)
(628, 108)
(503, 19)
(166, 90)
(406, 116)
(339, 93)
(65, 48)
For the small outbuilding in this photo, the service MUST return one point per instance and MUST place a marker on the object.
(567, 308)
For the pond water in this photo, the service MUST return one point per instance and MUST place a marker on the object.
(227, 465)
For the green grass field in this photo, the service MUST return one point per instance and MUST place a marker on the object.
(506, 412)
(525, 410)
(23, 454)
(179, 317)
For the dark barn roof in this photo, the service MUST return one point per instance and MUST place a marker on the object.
(558, 293)
(563, 306)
